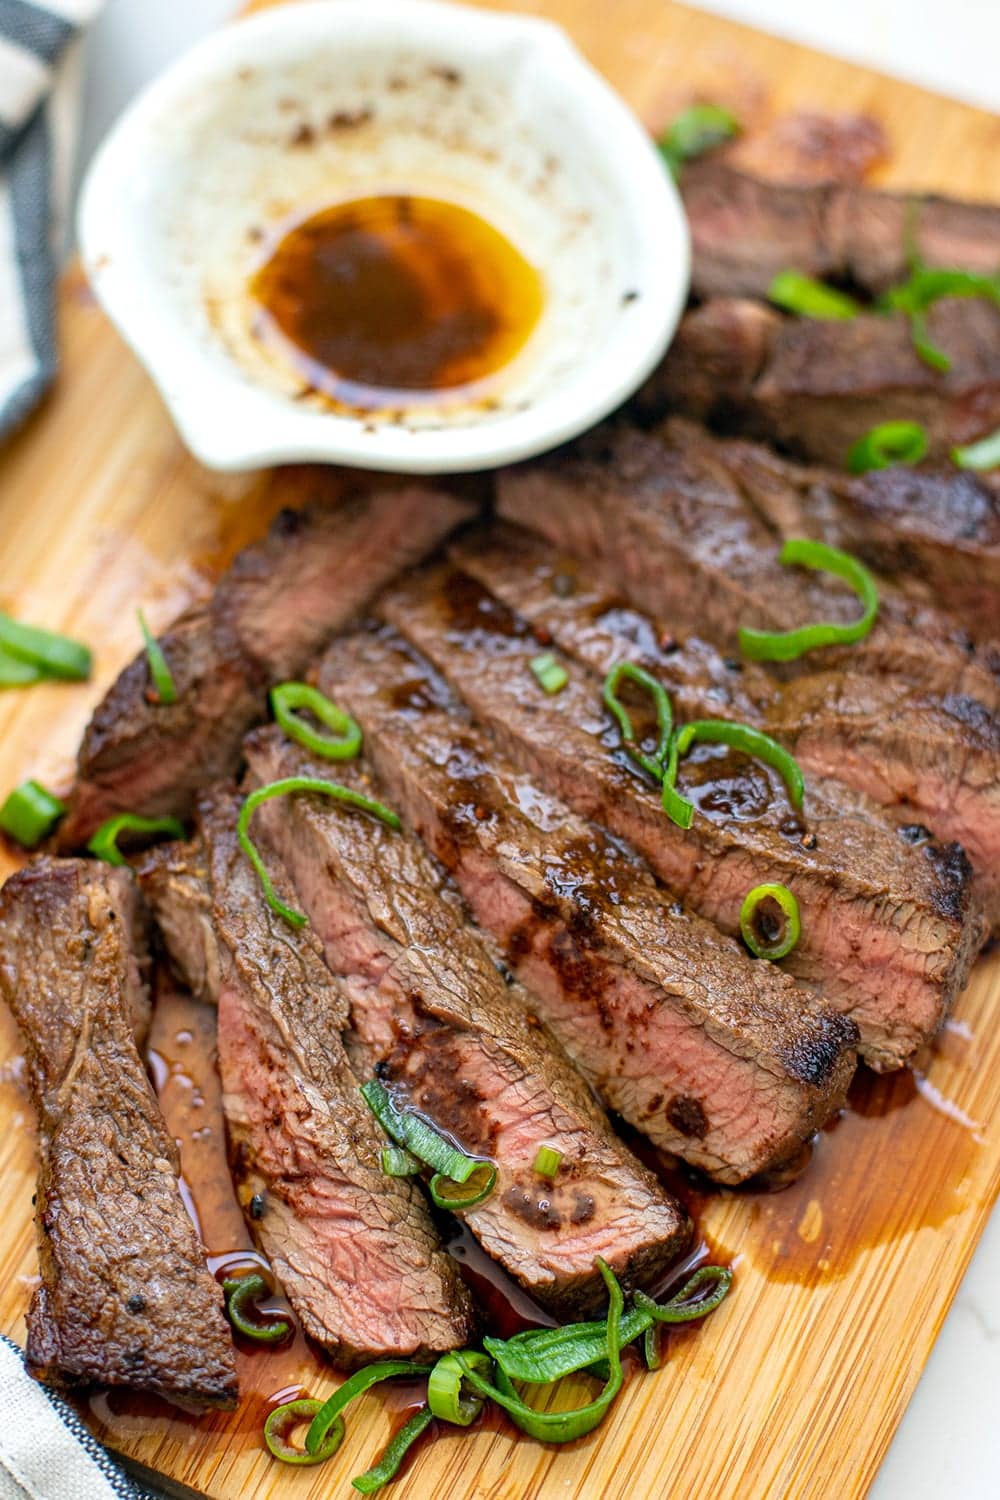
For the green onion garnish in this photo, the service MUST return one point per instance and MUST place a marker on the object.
(398, 1162)
(809, 298)
(105, 841)
(242, 1295)
(163, 682)
(17, 673)
(651, 1347)
(982, 455)
(752, 920)
(651, 764)
(752, 742)
(409, 1130)
(446, 1193)
(887, 444)
(445, 1395)
(30, 813)
(359, 1382)
(550, 674)
(787, 645)
(281, 1421)
(547, 1161)
(286, 787)
(697, 129)
(56, 655)
(927, 285)
(343, 743)
(389, 1464)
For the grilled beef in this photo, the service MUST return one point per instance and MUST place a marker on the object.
(816, 387)
(125, 1297)
(354, 1251)
(432, 1016)
(722, 1062)
(744, 231)
(279, 602)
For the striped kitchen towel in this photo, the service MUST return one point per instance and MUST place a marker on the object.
(39, 93)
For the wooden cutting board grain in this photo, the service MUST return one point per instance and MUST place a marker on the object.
(796, 1386)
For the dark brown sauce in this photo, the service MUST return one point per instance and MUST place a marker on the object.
(382, 301)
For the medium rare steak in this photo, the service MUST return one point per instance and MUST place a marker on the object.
(354, 1251)
(723, 1062)
(745, 230)
(283, 597)
(887, 935)
(125, 1296)
(432, 1017)
(817, 386)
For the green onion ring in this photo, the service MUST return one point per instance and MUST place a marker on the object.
(809, 298)
(787, 645)
(57, 655)
(792, 925)
(389, 1464)
(653, 764)
(398, 1162)
(550, 674)
(30, 813)
(281, 1421)
(752, 742)
(284, 788)
(343, 743)
(887, 444)
(104, 843)
(409, 1130)
(689, 1303)
(163, 681)
(446, 1193)
(444, 1387)
(927, 285)
(983, 455)
(359, 1382)
(242, 1292)
(547, 1161)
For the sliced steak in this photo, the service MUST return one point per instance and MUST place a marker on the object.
(815, 387)
(280, 601)
(433, 1018)
(125, 1296)
(886, 935)
(354, 1251)
(723, 1062)
(745, 230)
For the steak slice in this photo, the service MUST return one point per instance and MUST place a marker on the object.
(433, 1018)
(745, 230)
(884, 935)
(722, 1062)
(283, 597)
(125, 1296)
(815, 387)
(355, 1251)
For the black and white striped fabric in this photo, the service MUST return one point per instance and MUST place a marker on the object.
(38, 97)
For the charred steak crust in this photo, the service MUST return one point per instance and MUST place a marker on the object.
(431, 1013)
(125, 1296)
(275, 607)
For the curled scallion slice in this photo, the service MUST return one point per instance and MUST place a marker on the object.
(651, 764)
(284, 1419)
(398, 1162)
(887, 444)
(787, 645)
(104, 843)
(396, 1450)
(242, 1295)
(756, 925)
(409, 1130)
(360, 1381)
(927, 285)
(446, 1395)
(458, 1196)
(163, 682)
(344, 740)
(700, 1295)
(752, 742)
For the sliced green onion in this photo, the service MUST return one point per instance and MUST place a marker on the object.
(445, 1396)
(677, 808)
(982, 455)
(697, 129)
(30, 813)
(809, 298)
(56, 655)
(651, 764)
(105, 841)
(344, 741)
(398, 1162)
(927, 285)
(550, 674)
(283, 1419)
(692, 1301)
(16, 673)
(789, 930)
(787, 645)
(446, 1193)
(242, 1294)
(389, 1464)
(651, 1347)
(163, 682)
(284, 788)
(547, 1161)
(751, 742)
(409, 1130)
(887, 444)
(359, 1382)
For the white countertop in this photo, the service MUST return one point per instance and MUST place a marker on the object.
(947, 1447)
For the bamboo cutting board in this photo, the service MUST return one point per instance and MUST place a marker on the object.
(795, 1387)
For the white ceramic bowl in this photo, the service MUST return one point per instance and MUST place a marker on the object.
(278, 116)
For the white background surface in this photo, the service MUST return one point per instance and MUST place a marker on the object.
(948, 1447)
